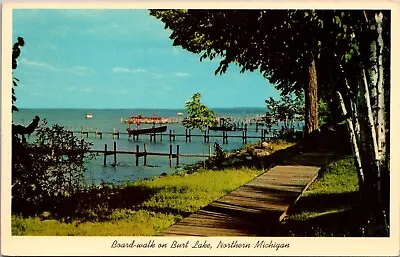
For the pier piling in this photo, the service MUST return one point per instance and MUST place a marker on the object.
(145, 155)
(105, 155)
(115, 153)
(137, 155)
(170, 156)
(177, 155)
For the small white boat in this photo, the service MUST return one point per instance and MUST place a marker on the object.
(88, 116)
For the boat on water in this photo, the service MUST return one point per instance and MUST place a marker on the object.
(146, 120)
(88, 116)
(138, 131)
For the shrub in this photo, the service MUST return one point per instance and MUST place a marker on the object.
(48, 169)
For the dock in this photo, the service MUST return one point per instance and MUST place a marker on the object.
(257, 207)
(172, 136)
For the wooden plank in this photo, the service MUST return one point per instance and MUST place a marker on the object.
(257, 206)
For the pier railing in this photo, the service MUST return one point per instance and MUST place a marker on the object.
(263, 135)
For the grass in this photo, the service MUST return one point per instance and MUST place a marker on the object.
(330, 206)
(167, 200)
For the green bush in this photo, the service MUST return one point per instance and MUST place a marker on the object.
(48, 169)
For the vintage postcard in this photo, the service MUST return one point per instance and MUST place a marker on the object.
(171, 128)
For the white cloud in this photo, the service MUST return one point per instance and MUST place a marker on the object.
(127, 70)
(38, 64)
(121, 70)
(182, 74)
(138, 70)
(76, 70)
(79, 70)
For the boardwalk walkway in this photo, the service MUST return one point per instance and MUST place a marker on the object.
(258, 206)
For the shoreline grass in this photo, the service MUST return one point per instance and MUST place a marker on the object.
(147, 207)
(172, 198)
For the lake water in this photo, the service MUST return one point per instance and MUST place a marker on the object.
(109, 119)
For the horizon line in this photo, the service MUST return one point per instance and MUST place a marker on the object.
(91, 108)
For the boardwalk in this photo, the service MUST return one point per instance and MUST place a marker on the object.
(256, 207)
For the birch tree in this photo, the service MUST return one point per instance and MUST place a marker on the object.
(365, 112)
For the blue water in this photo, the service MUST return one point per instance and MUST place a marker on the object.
(108, 120)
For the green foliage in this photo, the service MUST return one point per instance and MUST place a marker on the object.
(48, 169)
(286, 111)
(323, 112)
(198, 115)
(15, 54)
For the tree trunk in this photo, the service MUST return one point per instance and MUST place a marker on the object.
(354, 143)
(311, 99)
(380, 98)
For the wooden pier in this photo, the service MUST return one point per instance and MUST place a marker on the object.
(172, 136)
(144, 153)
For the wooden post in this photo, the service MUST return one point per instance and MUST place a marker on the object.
(161, 136)
(170, 135)
(262, 135)
(145, 155)
(170, 156)
(137, 155)
(115, 153)
(177, 155)
(224, 137)
(186, 134)
(105, 155)
(209, 151)
(256, 126)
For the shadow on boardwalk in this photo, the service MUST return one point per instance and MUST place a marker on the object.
(256, 208)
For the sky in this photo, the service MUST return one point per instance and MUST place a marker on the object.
(118, 59)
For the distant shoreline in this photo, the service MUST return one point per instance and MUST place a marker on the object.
(133, 108)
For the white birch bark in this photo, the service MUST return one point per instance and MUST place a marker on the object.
(353, 139)
(370, 118)
(380, 121)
